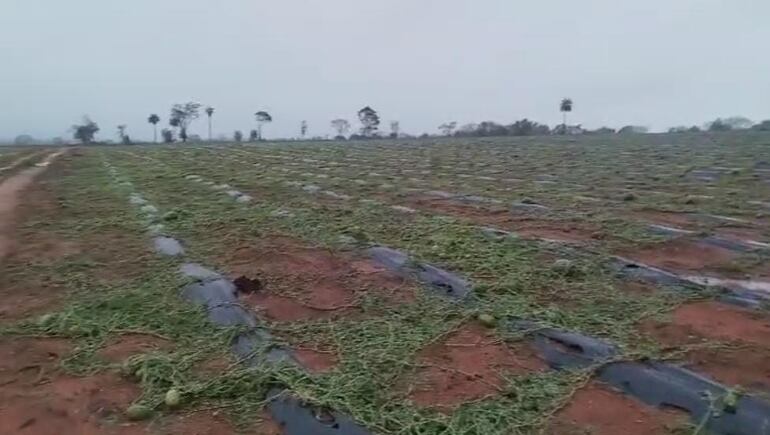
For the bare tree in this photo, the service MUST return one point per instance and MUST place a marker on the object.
(122, 130)
(262, 119)
(210, 113)
(342, 126)
(154, 120)
(182, 115)
(124, 138)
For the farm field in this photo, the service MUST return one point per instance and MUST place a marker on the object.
(554, 285)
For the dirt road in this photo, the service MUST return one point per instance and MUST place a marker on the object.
(10, 194)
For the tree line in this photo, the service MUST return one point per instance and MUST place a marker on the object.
(181, 116)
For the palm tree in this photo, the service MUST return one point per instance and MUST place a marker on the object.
(154, 120)
(209, 112)
(566, 106)
(262, 118)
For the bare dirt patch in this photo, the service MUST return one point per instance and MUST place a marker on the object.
(682, 256)
(316, 361)
(10, 195)
(215, 422)
(22, 298)
(680, 220)
(524, 225)
(215, 366)
(712, 320)
(37, 398)
(743, 361)
(468, 365)
(598, 410)
(303, 282)
(286, 309)
(119, 348)
(745, 366)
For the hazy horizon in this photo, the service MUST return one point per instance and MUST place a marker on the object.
(650, 63)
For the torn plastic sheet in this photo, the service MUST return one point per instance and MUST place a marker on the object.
(446, 284)
(734, 292)
(298, 418)
(254, 347)
(658, 384)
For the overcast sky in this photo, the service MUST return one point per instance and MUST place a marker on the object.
(423, 62)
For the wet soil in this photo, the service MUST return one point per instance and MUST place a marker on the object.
(740, 359)
(596, 409)
(468, 365)
(303, 282)
(38, 398)
(683, 256)
(694, 322)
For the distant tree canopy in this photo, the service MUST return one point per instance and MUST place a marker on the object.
(603, 130)
(679, 129)
(370, 121)
(762, 126)
(253, 136)
(448, 128)
(168, 135)
(24, 139)
(523, 127)
(182, 115)
(303, 129)
(633, 129)
(718, 125)
(731, 123)
(238, 136)
(86, 131)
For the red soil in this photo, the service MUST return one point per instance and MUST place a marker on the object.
(744, 364)
(126, 345)
(31, 296)
(214, 366)
(303, 283)
(598, 410)
(315, 360)
(37, 398)
(285, 309)
(214, 423)
(715, 321)
(10, 195)
(468, 365)
(682, 256)
(500, 217)
(672, 219)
